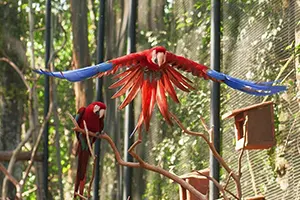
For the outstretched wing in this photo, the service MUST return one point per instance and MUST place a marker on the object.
(254, 88)
(108, 67)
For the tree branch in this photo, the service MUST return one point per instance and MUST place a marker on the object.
(14, 66)
(209, 142)
(7, 155)
(141, 164)
(8, 175)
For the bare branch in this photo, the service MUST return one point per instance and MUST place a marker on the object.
(243, 149)
(35, 147)
(227, 181)
(8, 175)
(166, 173)
(14, 66)
(141, 164)
(219, 186)
(88, 140)
(214, 151)
(7, 155)
(81, 196)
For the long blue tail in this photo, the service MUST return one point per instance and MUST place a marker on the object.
(79, 74)
(254, 88)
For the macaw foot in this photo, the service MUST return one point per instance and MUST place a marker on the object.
(99, 133)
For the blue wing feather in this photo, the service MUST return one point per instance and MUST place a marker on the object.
(254, 88)
(79, 74)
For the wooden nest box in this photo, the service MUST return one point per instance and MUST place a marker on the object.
(199, 182)
(255, 124)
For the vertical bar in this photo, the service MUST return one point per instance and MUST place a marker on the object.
(46, 97)
(129, 112)
(99, 94)
(215, 95)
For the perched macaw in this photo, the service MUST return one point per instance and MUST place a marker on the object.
(93, 115)
(155, 73)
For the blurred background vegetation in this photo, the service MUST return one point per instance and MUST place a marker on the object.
(260, 41)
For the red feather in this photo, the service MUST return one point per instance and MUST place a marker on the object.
(187, 65)
(162, 101)
(134, 90)
(169, 87)
(127, 85)
(146, 99)
(127, 77)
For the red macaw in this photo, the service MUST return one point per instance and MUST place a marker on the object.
(155, 72)
(93, 115)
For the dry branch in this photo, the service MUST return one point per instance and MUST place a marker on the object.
(222, 162)
(8, 175)
(141, 163)
(6, 156)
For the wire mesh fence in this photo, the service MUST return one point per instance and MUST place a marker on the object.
(258, 44)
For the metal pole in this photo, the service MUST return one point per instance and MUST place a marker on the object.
(129, 112)
(46, 97)
(99, 94)
(215, 95)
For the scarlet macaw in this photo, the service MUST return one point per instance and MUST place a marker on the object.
(93, 115)
(154, 71)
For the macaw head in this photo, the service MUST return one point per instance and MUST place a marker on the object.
(97, 109)
(158, 55)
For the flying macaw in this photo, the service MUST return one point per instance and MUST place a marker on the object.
(93, 115)
(155, 72)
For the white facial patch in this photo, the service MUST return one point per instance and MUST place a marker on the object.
(96, 108)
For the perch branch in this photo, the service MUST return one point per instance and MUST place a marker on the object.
(93, 156)
(159, 170)
(88, 139)
(141, 164)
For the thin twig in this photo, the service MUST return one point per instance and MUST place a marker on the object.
(93, 176)
(93, 157)
(35, 147)
(219, 186)
(251, 174)
(13, 65)
(88, 140)
(214, 151)
(227, 180)
(232, 194)
(245, 133)
(8, 175)
(81, 196)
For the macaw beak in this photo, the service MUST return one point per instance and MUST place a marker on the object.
(101, 113)
(160, 58)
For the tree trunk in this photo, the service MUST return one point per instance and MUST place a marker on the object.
(81, 55)
(12, 90)
(81, 58)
